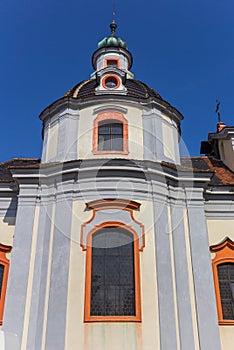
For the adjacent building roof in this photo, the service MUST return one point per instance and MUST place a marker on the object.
(5, 174)
(222, 174)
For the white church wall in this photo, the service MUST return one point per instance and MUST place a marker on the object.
(160, 137)
(135, 133)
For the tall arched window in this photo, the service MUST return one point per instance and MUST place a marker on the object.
(226, 289)
(223, 270)
(112, 276)
(110, 133)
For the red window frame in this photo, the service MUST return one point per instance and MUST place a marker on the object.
(111, 116)
(87, 316)
(117, 60)
(224, 253)
(6, 263)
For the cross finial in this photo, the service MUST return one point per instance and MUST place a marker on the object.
(113, 24)
(217, 110)
(113, 13)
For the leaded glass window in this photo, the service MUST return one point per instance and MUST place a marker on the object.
(226, 287)
(110, 136)
(112, 273)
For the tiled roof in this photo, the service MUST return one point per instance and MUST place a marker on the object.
(135, 89)
(5, 175)
(222, 174)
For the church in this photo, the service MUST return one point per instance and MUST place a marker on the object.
(112, 240)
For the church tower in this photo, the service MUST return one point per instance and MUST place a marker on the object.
(111, 245)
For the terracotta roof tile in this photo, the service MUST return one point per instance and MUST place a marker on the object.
(5, 174)
(222, 174)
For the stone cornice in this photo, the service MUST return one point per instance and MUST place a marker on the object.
(226, 133)
(110, 107)
(76, 104)
(145, 170)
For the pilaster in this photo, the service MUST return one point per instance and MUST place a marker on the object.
(202, 272)
(26, 227)
(167, 317)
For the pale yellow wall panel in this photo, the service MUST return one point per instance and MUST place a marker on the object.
(112, 336)
(85, 133)
(7, 228)
(117, 335)
(165, 117)
(227, 337)
(168, 141)
(149, 330)
(219, 229)
(135, 131)
(52, 142)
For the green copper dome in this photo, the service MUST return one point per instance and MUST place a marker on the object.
(112, 40)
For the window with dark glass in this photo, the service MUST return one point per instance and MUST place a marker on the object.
(112, 63)
(226, 288)
(110, 136)
(1, 277)
(112, 273)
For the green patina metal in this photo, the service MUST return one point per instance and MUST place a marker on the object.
(112, 40)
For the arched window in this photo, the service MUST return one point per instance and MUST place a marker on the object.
(226, 289)
(112, 276)
(110, 133)
(223, 270)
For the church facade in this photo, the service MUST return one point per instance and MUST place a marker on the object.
(112, 240)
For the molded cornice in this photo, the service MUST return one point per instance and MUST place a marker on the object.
(227, 242)
(122, 204)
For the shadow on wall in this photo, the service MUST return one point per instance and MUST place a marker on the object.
(9, 341)
(11, 213)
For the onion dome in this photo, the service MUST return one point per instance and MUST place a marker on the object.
(115, 46)
(112, 40)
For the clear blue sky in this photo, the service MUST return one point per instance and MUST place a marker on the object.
(184, 49)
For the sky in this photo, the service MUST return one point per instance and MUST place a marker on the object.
(183, 49)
